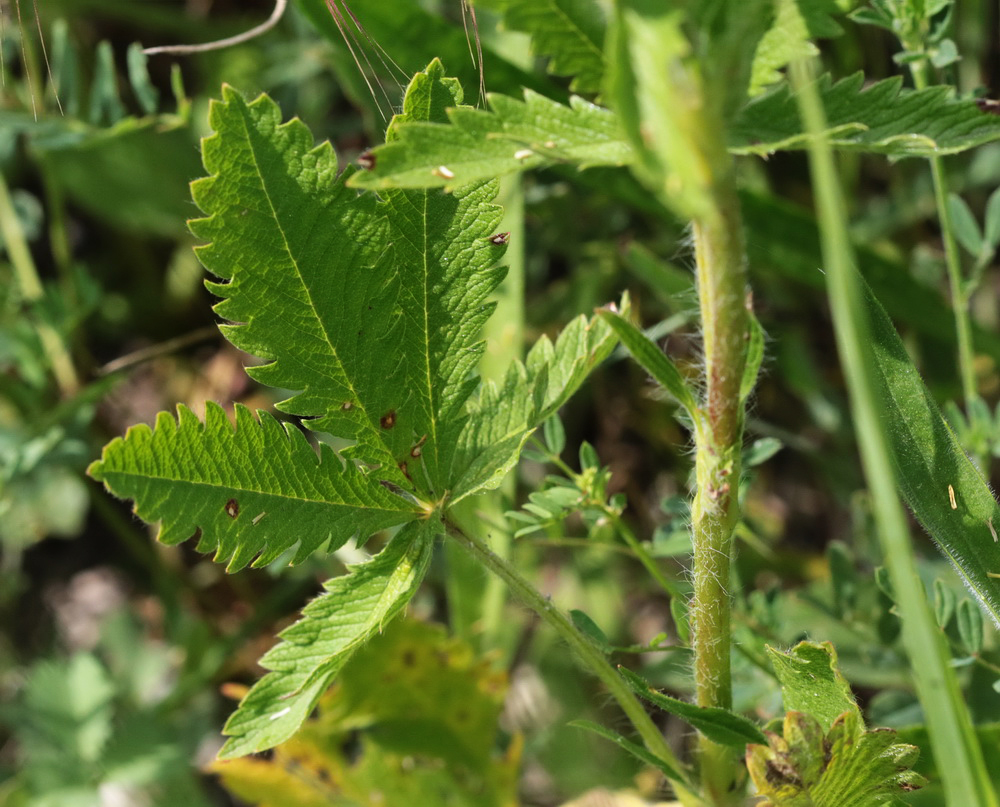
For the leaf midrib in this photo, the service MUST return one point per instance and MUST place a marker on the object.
(248, 132)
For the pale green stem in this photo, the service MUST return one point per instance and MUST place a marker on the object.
(721, 272)
(590, 656)
(643, 556)
(31, 289)
(956, 749)
(953, 262)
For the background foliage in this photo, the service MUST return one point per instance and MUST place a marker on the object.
(118, 654)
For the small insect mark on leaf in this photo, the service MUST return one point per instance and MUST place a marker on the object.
(280, 714)
(993, 531)
(500, 239)
(346, 406)
(951, 497)
(550, 144)
(366, 159)
(256, 519)
(523, 154)
(388, 420)
(405, 470)
(444, 172)
(232, 508)
(988, 105)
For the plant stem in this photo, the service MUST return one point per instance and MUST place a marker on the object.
(589, 655)
(31, 289)
(641, 554)
(960, 758)
(953, 262)
(721, 272)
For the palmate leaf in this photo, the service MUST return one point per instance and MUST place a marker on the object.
(354, 608)
(569, 32)
(248, 494)
(369, 309)
(538, 132)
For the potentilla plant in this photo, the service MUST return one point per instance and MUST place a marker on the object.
(365, 292)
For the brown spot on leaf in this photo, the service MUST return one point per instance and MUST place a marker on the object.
(388, 420)
(406, 473)
(232, 508)
(417, 450)
(500, 239)
(366, 159)
(988, 105)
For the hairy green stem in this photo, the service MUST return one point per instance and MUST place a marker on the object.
(721, 272)
(590, 656)
(953, 262)
(958, 753)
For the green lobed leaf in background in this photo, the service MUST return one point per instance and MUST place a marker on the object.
(882, 118)
(811, 682)
(797, 23)
(570, 33)
(844, 767)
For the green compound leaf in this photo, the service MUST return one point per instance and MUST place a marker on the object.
(932, 470)
(719, 725)
(353, 609)
(501, 419)
(811, 682)
(513, 136)
(248, 494)
(569, 32)
(883, 118)
(845, 767)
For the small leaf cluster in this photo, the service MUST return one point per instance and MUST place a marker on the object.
(561, 496)
(922, 28)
